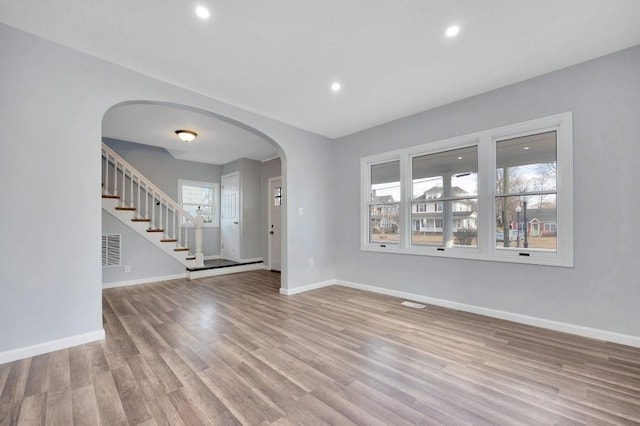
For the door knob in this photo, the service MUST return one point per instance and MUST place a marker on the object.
(235, 223)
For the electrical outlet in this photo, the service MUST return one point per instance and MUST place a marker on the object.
(311, 262)
(301, 211)
(127, 268)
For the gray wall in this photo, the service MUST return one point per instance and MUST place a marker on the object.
(602, 290)
(51, 108)
(270, 169)
(157, 165)
(145, 259)
(251, 209)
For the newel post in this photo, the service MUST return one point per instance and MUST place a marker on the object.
(198, 239)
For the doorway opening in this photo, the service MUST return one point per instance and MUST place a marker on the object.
(227, 154)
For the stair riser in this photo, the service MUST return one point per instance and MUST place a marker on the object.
(125, 217)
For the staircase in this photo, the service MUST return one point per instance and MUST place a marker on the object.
(143, 207)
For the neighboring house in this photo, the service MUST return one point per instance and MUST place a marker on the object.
(427, 215)
(384, 216)
(540, 222)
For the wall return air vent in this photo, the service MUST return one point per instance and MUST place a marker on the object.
(111, 250)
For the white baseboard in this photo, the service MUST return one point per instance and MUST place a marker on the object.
(212, 257)
(51, 346)
(308, 287)
(594, 333)
(223, 271)
(143, 281)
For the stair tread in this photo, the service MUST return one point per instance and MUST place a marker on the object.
(115, 197)
(168, 240)
(125, 208)
(140, 219)
(155, 230)
(181, 249)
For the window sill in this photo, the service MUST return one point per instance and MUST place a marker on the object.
(532, 257)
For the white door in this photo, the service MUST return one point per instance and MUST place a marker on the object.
(230, 217)
(535, 229)
(275, 222)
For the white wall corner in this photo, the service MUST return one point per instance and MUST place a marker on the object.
(593, 333)
(51, 346)
(308, 287)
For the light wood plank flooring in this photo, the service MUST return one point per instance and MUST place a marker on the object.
(231, 350)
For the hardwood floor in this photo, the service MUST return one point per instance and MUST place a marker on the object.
(231, 350)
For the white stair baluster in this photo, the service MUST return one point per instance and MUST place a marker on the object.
(153, 210)
(186, 234)
(146, 201)
(104, 183)
(115, 177)
(131, 192)
(162, 213)
(124, 186)
(139, 206)
(166, 220)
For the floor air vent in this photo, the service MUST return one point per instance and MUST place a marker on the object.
(413, 304)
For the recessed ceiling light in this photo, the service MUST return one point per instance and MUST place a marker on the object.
(459, 158)
(525, 148)
(335, 86)
(202, 12)
(452, 31)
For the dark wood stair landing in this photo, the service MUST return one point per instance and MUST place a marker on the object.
(221, 263)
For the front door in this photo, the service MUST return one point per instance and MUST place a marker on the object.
(230, 217)
(275, 222)
(535, 229)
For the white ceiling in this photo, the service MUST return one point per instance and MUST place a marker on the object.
(279, 57)
(218, 142)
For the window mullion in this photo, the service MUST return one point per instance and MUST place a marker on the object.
(405, 203)
(486, 194)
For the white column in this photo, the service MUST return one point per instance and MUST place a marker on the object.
(198, 238)
(447, 213)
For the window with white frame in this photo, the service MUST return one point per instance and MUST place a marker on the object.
(504, 194)
(383, 211)
(451, 178)
(204, 195)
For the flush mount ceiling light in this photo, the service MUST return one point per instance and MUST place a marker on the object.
(202, 12)
(186, 136)
(452, 31)
(335, 86)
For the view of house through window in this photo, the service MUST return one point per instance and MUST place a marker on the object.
(203, 195)
(526, 193)
(384, 207)
(444, 204)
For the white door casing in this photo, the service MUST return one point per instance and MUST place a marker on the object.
(275, 223)
(230, 217)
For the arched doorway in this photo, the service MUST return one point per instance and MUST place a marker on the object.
(145, 133)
